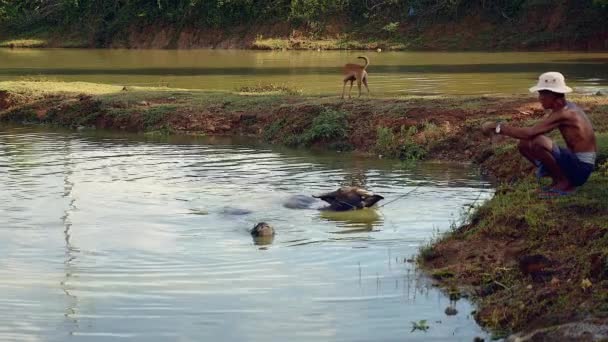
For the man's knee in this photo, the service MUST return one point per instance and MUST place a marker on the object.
(539, 140)
(541, 144)
(524, 145)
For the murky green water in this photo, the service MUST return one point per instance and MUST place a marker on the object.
(109, 237)
(391, 73)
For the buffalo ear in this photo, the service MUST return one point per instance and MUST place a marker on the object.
(371, 200)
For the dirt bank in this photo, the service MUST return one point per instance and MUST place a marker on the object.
(532, 31)
(528, 263)
(433, 127)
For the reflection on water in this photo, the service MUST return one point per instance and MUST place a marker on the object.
(355, 221)
(107, 236)
(263, 240)
(391, 73)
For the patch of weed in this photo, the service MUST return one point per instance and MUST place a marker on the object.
(329, 125)
(271, 88)
(401, 146)
(156, 115)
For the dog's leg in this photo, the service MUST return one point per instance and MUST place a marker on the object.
(365, 84)
(359, 85)
(344, 88)
(351, 88)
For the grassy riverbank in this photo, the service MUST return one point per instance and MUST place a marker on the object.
(528, 262)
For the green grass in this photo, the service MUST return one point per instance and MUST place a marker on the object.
(114, 95)
(43, 85)
(24, 43)
(270, 43)
(156, 116)
(307, 44)
(44, 37)
(327, 127)
(409, 144)
(401, 145)
(270, 88)
(341, 43)
(602, 146)
(570, 230)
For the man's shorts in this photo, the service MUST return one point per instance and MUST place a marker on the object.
(575, 170)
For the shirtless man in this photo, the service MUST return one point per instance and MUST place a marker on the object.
(568, 167)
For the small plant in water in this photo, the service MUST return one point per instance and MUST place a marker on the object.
(420, 325)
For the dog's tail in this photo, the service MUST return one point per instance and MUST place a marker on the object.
(366, 61)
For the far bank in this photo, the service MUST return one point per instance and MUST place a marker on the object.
(512, 25)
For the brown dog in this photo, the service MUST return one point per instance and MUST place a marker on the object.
(355, 72)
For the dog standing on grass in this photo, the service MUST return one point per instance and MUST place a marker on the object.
(355, 72)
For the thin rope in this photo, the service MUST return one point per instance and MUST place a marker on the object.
(402, 196)
(385, 204)
(472, 205)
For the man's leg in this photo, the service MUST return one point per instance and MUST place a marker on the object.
(525, 148)
(542, 150)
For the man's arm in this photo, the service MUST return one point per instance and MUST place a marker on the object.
(546, 125)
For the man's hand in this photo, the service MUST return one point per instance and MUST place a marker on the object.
(488, 128)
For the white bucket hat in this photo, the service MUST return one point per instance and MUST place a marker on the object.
(552, 81)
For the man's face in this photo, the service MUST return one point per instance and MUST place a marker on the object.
(546, 98)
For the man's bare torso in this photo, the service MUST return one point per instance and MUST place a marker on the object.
(576, 129)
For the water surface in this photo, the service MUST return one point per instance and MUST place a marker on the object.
(391, 73)
(108, 237)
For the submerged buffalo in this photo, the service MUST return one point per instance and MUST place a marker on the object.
(233, 211)
(349, 198)
(262, 229)
(302, 202)
(343, 199)
(262, 233)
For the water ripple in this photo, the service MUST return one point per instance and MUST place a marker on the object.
(123, 237)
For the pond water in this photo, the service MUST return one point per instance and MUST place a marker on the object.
(390, 73)
(107, 236)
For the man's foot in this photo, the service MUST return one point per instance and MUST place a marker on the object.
(542, 187)
(554, 193)
(563, 185)
(541, 171)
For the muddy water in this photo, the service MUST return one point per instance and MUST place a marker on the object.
(391, 73)
(114, 237)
